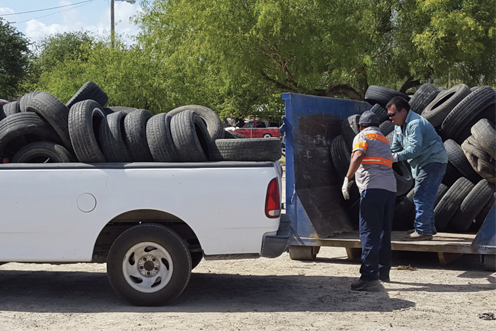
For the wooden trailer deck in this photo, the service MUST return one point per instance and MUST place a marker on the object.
(448, 246)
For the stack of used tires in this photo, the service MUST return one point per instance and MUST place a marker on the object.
(40, 128)
(465, 119)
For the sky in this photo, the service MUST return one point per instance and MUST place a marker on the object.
(46, 17)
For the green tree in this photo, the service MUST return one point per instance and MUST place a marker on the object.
(54, 50)
(260, 48)
(14, 58)
(443, 39)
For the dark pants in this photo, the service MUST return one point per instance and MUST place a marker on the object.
(376, 219)
(427, 184)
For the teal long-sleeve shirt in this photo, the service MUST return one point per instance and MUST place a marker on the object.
(417, 142)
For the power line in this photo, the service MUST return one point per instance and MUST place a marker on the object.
(38, 10)
(57, 12)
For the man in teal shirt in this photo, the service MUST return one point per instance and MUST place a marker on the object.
(416, 141)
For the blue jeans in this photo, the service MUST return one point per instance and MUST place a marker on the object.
(376, 219)
(426, 186)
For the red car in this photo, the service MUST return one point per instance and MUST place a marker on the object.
(258, 129)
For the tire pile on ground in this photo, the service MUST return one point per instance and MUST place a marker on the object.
(465, 119)
(40, 128)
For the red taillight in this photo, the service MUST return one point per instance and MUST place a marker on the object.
(273, 200)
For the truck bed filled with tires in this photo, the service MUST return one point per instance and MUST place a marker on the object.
(323, 130)
(40, 128)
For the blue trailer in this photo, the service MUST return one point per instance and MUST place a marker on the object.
(319, 215)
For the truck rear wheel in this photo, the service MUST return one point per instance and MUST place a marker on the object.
(303, 253)
(149, 265)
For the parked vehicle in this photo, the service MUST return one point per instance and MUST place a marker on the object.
(257, 129)
(150, 195)
(152, 223)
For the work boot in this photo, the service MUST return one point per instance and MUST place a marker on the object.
(413, 230)
(366, 285)
(418, 236)
(384, 279)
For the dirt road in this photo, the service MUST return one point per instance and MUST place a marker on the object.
(261, 294)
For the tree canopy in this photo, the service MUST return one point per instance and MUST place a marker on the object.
(14, 59)
(238, 56)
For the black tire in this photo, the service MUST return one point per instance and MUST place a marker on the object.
(55, 112)
(390, 137)
(471, 206)
(423, 97)
(485, 135)
(85, 118)
(233, 135)
(149, 265)
(89, 91)
(443, 103)
(349, 129)
(404, 214)
(488, 113)
(111, 138)
(135, 135)
(190, 136)
(457, 159)
(467, 109)
(382, 95)
(481, 217)
(159, 137)
(486, 170)
(340, 155)
(43, 152)
(404, 179)
(255, 149)
(25, 99)
(440, 193)
(115, 109)
(212, 120)
(24, 124)
(380, 112)
(450, 202)
(11, 108)
(470, 145)
(386, 127)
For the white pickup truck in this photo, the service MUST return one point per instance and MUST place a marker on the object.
(150, 222)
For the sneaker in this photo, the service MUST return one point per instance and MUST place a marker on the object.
(418, 236)
(366, 285)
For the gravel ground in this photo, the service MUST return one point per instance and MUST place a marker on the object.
(260, 294)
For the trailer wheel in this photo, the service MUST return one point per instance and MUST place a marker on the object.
(303, 253)
(149, 265)
(267, 135)
(490, 262)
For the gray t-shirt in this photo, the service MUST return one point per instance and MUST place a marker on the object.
(376, 170)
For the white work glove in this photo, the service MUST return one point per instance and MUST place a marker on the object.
(395, 157)
(346, 188)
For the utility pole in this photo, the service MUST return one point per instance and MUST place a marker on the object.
(112, 20)
(112, 24)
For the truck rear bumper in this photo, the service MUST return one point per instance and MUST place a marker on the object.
(274, 245)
